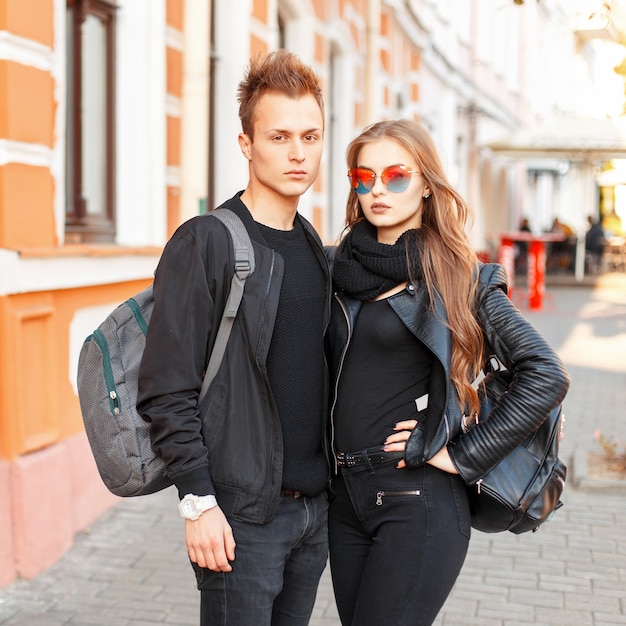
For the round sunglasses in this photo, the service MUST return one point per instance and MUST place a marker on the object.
(396, 178)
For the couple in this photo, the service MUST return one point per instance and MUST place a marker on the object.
(402, 337)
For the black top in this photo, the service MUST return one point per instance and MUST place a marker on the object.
(386, 370)
(295, 362)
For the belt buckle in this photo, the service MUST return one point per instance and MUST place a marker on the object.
(294, 493)
(346, 460)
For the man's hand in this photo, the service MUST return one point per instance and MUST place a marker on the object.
(210, 541)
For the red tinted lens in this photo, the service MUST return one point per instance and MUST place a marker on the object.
(361, 179)
(396, 178)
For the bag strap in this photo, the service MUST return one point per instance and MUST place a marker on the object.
(493, 365)
(244, 266)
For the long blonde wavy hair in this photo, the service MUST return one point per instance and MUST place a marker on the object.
(448, 261)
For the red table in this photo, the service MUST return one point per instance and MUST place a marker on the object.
(536, 274)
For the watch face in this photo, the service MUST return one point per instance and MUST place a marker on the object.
(189, 508)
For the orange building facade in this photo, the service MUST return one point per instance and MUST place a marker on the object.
(118, 121)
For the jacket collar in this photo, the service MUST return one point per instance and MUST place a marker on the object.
(237, 206)
(412, 305)
(428, 323)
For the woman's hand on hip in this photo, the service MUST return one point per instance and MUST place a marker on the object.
(396, 442)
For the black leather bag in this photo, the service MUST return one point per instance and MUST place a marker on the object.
(523, 491)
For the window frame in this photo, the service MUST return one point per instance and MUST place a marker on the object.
(81, 225)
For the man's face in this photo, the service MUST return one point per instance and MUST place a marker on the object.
(287, 147)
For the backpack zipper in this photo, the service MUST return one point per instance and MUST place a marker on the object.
(107, 371)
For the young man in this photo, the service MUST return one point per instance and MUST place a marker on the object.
(252, 461)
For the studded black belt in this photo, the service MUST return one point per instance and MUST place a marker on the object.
(370, 456)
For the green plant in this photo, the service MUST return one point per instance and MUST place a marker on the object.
(614, 451)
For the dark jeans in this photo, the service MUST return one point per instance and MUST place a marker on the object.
(395, 557)
(276, 570)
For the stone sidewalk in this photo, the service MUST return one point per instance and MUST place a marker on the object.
(130, 568)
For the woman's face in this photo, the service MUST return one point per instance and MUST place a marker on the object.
(392, 213)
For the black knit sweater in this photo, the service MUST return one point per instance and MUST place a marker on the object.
(295, 360)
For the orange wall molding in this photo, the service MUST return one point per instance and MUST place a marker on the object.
(34, 23)
(38, 402)
(26, 206)
(29, 341)
(27, 104)
(174, 10)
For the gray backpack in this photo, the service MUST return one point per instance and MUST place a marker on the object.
(108, 375)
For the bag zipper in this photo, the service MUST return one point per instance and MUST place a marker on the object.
(381, 494)
(107, 371)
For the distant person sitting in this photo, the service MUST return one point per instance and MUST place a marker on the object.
(561, 228)
(561, 253)
(595, 242)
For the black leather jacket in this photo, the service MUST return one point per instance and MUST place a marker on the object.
(236, 450)
(540, 379)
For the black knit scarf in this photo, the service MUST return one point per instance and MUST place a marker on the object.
(365, 268)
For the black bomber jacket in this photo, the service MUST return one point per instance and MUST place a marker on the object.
(235, 449)
(540, 379)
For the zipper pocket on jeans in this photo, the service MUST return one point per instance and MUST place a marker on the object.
(381, 494)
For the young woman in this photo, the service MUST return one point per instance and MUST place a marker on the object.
(408, 335)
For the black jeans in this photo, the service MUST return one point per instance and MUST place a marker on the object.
(398, 540)
(276, 570)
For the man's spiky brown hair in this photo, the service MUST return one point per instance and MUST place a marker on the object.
(279, 72)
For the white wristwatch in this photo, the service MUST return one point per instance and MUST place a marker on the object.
(192, 507)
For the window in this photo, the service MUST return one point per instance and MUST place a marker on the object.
(90, 146)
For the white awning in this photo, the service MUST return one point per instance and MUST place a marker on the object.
(575, 139)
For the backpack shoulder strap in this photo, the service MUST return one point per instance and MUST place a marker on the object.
(244, 253)
(244, 266)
